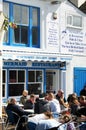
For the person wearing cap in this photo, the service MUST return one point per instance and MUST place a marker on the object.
(61, 99)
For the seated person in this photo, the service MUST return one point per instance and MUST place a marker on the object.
(33, 121)
(51, 122)
(54, 103)
(29, 104)
(46, 121)
(47, 124)
(82, 100)
(74, 104)
(83, 91)
(81, 111)
(41, 105)
(61, 99)
(24, 97)
(12, 106)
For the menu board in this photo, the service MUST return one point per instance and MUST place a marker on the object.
(52, 34)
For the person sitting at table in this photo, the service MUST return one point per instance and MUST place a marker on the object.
(60, 97)
(41, 105)
(46, 121)
(29, 104)
(12, 106)
(64, 122)
(24, 97)
(82, 100)
(54, 103)
(33, 121)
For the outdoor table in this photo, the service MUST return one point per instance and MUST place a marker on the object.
(29, 110)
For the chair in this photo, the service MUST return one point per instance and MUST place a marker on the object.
(54, 128)
(12, 120)
(22, 123)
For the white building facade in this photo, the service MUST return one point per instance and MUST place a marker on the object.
(46, 51)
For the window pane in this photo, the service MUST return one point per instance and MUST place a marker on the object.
(35, 17)
(6, 13)
(31, 75)
(24, 34)
(34, 36)
(21, 32)
(69, 20)
(15, 89)
(25, 15)
(17, 35)
(34, 88)
(49, 83)
(4, 76)
(77, 21)
(6, 36)
(38, 76)
(12, 76)
(16, 13)
(6, 9)
(3, 90)
(21, 76)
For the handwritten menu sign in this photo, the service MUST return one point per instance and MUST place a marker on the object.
(73, 42)
(52, 33)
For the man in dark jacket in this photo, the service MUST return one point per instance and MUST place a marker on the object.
(29, 104)
(12, 106)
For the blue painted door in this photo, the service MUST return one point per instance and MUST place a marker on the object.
(79, 79)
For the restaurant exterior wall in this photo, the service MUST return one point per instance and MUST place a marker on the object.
(57, 40)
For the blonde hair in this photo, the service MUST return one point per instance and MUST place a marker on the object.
(25, 92)
(51, 95)
(48, 114)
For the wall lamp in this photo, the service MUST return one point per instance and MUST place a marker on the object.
(54, 15)
(54, 2)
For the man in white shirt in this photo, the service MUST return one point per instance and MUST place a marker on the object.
(54, 103)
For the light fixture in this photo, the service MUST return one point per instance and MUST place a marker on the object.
(55, 2)
(54, 15)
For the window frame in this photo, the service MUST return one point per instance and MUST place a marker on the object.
(35, 82)
(29, 27)
(17, 81)
(72, 22)
(4, 83)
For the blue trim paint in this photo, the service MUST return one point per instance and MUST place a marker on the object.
(44, 88)
(26, 79)
(30, 26)
(7, 89)
(79, 79)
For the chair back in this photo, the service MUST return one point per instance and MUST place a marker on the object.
(54, 128)
(12, 117)
(22, 123)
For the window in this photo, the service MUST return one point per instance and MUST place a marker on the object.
(21, 19)
(35, 81)
(74, 21)
(4, 83)
(16, 82)
(27, 19)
